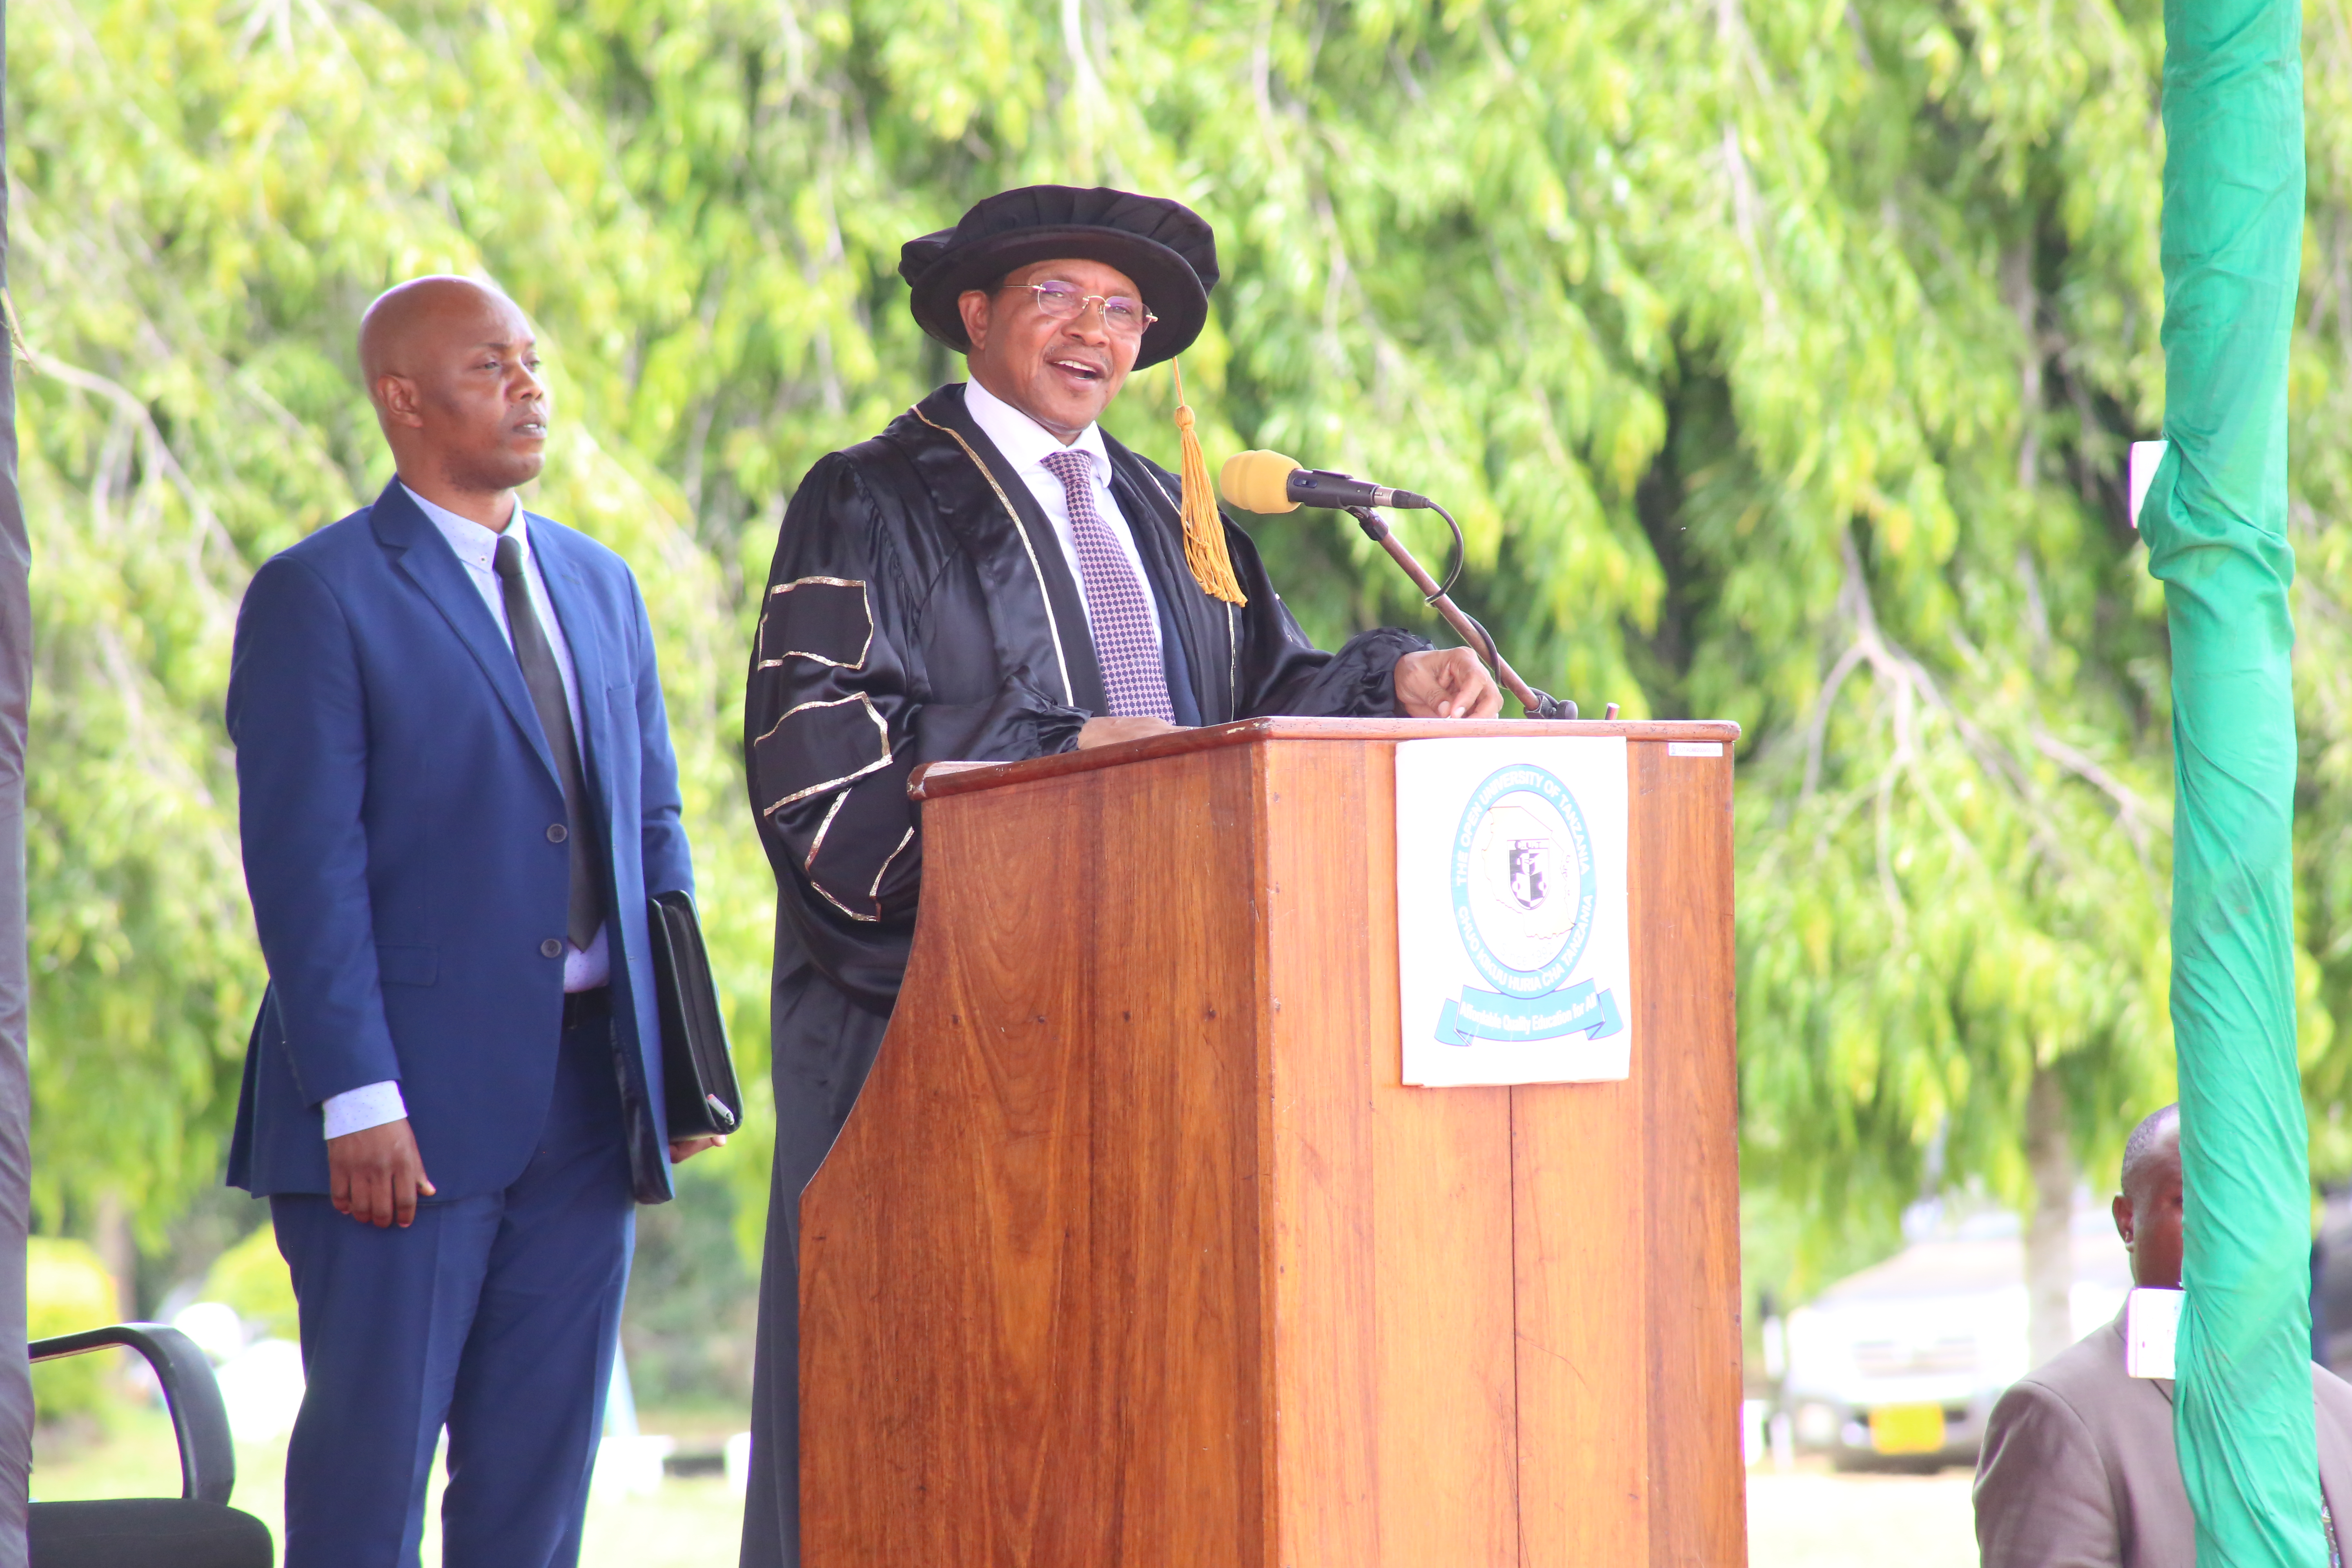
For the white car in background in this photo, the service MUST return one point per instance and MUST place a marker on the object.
(1900, 1363)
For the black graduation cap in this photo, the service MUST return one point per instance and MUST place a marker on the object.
(1167, 247)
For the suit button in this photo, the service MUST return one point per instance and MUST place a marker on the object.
(551, 948)
(556, 833)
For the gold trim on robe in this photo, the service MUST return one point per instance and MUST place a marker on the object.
(881, 730)
(866, 604)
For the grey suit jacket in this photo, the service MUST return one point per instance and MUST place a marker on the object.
(2079, 1470)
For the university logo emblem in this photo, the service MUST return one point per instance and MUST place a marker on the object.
(1524, 895)
(1528, 881)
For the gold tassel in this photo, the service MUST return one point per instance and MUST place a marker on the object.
(1204, 531)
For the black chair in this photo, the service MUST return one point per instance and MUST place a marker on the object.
(195, 1530)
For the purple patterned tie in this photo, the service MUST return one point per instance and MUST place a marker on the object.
(1117, 612)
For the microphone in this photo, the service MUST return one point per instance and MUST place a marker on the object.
(1270, 482)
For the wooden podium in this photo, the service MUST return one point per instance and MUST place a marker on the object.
(1136, 1252)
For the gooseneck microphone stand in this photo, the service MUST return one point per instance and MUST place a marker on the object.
(1538, 704)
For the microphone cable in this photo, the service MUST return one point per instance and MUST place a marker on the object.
(1454, 575)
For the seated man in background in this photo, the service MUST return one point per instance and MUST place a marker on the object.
(2078, 1469)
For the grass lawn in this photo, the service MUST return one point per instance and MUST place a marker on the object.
(687, 1523)
(1809, 1519)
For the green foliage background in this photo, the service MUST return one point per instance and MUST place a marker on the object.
(1779, 357)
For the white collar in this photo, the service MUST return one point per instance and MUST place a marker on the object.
(474, 543)
(1023, 440)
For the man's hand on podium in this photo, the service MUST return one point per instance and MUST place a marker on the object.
(1112, 731)
(1439, 683)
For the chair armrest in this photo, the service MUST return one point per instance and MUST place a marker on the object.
(207, 1459)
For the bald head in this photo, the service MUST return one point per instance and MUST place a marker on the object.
(2153, 1144)
(2147, 1212)
(410, 318)
(453, 369)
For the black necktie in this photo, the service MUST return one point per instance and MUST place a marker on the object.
(546, 683)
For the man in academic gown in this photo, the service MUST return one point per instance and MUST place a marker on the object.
(992, 578)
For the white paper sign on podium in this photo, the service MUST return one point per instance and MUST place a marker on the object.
(1513, 950)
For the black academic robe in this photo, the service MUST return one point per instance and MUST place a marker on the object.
(920, 609)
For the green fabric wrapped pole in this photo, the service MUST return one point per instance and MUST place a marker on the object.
(2216, 528)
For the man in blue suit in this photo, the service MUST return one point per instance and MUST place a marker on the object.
(457, 791)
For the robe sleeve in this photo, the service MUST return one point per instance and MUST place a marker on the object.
(836, 719)
(1282, 672)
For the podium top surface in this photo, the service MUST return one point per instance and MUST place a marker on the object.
(935, 781)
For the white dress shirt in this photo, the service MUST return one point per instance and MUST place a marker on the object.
(1026, 444)
(584, 969)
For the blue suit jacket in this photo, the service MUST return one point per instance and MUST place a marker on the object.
(395, 792)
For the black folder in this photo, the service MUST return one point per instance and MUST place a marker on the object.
(697, 1075)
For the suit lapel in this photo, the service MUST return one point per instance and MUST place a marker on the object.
(2335, 1466)
(420, 553)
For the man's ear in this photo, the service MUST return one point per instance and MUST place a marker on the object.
(397, 402)
(2122, 1210)
(972, 306)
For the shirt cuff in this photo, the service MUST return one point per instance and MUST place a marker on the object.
(370, 1105)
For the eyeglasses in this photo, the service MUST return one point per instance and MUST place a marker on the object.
(1122, 317)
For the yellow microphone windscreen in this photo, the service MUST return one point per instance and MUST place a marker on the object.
(1257, 481)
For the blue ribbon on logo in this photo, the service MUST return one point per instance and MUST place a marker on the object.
(1485, 1015)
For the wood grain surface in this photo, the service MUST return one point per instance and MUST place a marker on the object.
(1390, 1240)
(1033, 1316)
(1680, 882)
(934, 781)
(1137, 1252)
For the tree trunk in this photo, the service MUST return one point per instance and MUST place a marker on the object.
(2049, 1233)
